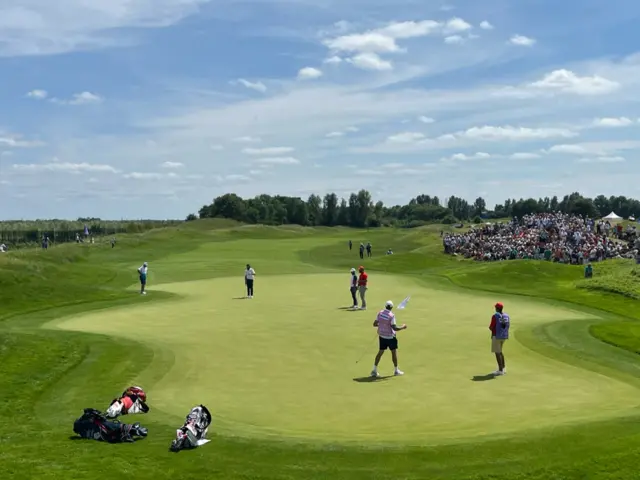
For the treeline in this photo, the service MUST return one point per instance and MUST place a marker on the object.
(360, 210)
(16, 232)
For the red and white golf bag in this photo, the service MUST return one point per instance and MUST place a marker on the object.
(133, 400)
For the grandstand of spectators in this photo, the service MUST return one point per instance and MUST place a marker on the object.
(556, 237)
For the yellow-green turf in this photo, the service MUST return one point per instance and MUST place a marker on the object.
(283, 365)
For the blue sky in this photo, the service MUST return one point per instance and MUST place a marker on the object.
(151, 108)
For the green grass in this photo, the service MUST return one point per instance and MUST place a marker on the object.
(73, 333)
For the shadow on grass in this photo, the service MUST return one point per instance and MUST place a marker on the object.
(239, 298)
(483, 378)
(349, 309)
(372, 379)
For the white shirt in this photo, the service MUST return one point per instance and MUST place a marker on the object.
(249, 273)
(143, 269)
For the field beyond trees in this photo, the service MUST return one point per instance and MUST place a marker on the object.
(279, 372)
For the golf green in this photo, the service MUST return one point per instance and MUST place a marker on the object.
(283, 365)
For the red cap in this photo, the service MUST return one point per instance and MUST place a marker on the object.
(360, 267)
(499, 305)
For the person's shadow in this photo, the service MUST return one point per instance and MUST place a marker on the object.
(483, 378)
(372, 379)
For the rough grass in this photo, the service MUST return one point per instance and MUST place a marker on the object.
(43, 370)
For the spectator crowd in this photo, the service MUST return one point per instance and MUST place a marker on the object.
(556, 237)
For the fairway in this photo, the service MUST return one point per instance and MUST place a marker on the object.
(283, 365)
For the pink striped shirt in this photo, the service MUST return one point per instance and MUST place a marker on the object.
(386, 319)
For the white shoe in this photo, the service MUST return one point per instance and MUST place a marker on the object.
(398, 372)
(374, 374)
(363, 308)
(144, 293)
(497, 373)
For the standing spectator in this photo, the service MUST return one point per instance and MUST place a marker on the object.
(363, 281)
(249, 277)
(361, 250)
(500, 323)
(369, 249)
(354, 288)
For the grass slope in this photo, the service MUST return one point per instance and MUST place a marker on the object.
(46, 374)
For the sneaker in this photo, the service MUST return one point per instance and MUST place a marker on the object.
(398, 372)
(374, 374)
(363, 308)
(497, 373)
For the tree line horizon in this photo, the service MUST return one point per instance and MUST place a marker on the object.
(359, 209)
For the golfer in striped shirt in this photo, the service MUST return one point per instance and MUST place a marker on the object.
(387, 328)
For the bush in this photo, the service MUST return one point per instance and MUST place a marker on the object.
(449, 220)
(477, 219)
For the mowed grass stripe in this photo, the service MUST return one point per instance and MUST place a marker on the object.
(283, 364)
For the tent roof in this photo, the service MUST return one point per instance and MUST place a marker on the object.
(612, 215)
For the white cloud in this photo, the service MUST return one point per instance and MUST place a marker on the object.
(15, 141)
(334, 134)
(568, 148)
(410, 29)
(278, 161)
(484, 25)
(65, 167)
(268, 151)
(370, 61)
(601, 160)
(464, 157)
(333, 60)
(424, 119)
(41, 27)
(309, 73)
(38, 94)
(82, 98)
(567, 81)
(515, 133)
(370, 42)
(524, 156)
(149, 175)
(613, 122)
(172, 165)
(405, 137)
(456, 25)
(257, 86)
(454, 40)
(247, 139)
(522, 41)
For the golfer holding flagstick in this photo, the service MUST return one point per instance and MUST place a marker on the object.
(387, 328)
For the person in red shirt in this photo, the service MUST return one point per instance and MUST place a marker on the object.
(363, 279)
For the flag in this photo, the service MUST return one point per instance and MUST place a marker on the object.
(403, 303)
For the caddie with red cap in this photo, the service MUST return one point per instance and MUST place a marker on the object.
(499, 326)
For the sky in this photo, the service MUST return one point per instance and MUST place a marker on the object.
(152, 108)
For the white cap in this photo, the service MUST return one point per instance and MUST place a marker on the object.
(353, 270)
(389, 304)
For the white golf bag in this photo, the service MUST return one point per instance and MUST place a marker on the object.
(194, 431)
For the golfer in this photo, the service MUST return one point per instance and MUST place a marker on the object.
(249, 276)
(363, 280)
(354, 288)
(142, 272)
(500, 323)
(387, 328)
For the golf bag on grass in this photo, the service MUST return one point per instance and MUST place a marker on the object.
(95, 425)
(194, 431)
(133, 400)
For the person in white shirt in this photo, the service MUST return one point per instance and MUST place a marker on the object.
(142, 271)
(386, 323)
(249, 276)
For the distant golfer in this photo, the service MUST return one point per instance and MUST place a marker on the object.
(363, 281)
(142, 272)
(249, 277)
(500, 323)
(368, 249)
(362, 250)
(354, 288)
(387, 328)
(350, 244)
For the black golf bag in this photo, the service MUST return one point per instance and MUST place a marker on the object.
(194, 429)
(95, 425)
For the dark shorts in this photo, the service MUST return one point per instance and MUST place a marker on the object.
(390, 343)
(143, 279)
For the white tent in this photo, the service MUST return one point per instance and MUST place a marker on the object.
(612, 216)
